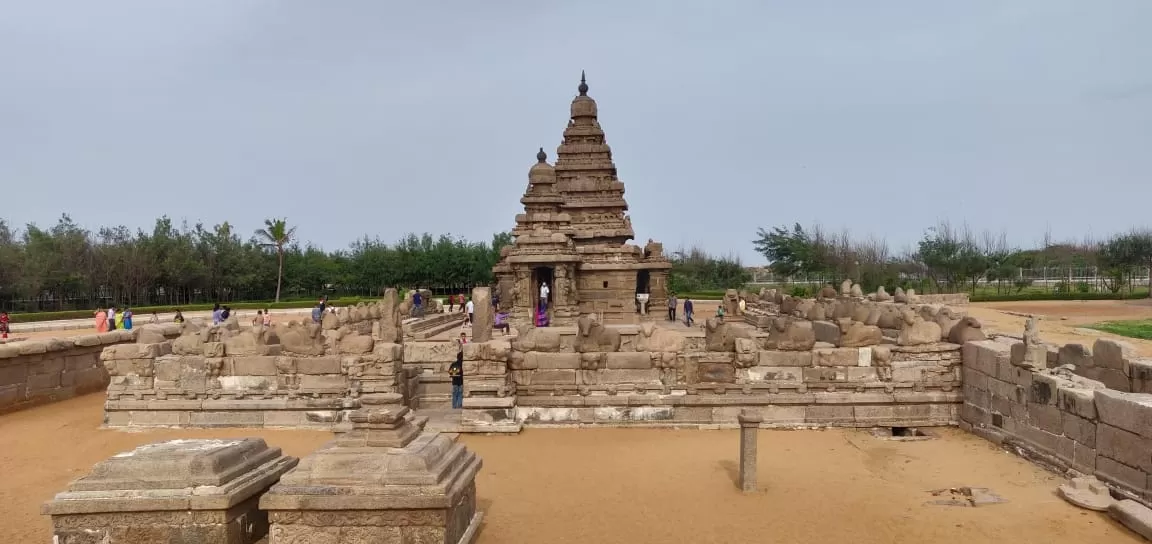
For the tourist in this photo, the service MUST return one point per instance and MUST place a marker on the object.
(672, 307)
(112, 318)
(323, 304)
(544, 295)
(720, 311)
(225, 313)
(451, 303)
(541, 316)
(179, 318)
(688, 312)
(155, 319)
(101, 321)
(417, 304)
(470, 308)
(318, 313)
(118, 319)
(463, 339)
(502, 323)
(259, 319)
(742, 305)
(126, 319)
(496, 301)
(4, 320)
(216, 311)
(267, 318)
(456, 371)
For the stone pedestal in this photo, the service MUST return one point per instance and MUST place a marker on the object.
(175, 491)
(384, 481)
(749, 425)
(642, 298)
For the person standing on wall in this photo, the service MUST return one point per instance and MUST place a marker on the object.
(672, 307)
(456, 371)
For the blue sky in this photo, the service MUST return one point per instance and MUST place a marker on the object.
(379, 118)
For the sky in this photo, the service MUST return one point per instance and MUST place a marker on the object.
(362, 117)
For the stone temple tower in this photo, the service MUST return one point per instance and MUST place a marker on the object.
(574, 234)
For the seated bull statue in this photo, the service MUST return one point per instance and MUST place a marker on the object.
(968, 329)
(721, 336)
(916, 331)
(855, 334)
(791, 335)
(593, 336)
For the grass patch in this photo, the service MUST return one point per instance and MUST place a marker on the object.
(1137, 328)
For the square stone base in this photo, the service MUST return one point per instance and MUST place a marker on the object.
(244, 523)
(458, 524)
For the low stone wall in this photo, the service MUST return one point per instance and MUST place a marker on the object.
(291, 375)
(949, 299)
(1062, 420)
(34, 372)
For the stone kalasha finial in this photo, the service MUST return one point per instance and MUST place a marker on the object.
(541, 155)
(583, 88)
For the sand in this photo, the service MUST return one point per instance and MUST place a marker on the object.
(641, 485)
(1063, 322)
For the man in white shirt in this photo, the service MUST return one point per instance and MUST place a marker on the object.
(544, 295)
(469, 307)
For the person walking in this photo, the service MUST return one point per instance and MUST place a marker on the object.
(126, 317)
(688, 312)
(267, 318)
(112, 318)
(417, 304)
(451, 303)
(101, 321)
(470, 307)
(672, 307)
(4, 320)
(456, 371)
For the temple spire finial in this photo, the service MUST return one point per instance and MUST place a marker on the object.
(541, 156)
(583, 88)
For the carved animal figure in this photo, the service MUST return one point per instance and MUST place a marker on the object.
(721, 336)
(857, 292)
(826, 292)
(899, 296)
(846, 288)
(593, 336)
(656, 339)
(791, 335)
(529, 338)
(947, 321)
(967, 329)
(855, 335)
(788, 304)
(881, 295)
(916, 331)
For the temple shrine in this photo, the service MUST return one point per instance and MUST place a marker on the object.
(571, 255)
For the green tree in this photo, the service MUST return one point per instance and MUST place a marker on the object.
(276, 234)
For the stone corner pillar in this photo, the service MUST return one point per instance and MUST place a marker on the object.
(749, 424)
(483, 316)
(180, 490)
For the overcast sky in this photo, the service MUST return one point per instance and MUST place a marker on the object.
(380, 118)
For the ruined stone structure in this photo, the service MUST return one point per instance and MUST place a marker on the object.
(574, 233)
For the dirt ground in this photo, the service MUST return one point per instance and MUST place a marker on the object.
(1063, 322)
(641, 485)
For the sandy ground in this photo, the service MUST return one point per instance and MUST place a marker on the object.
(1062, 322)
(641, 485)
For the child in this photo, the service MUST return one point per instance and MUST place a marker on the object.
(179, 317)
(4, 324)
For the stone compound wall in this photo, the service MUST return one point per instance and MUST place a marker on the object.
(651, 376)
(34, 372)
(294, 374)
(1058, 418)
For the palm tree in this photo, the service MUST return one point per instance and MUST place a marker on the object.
(276, 234)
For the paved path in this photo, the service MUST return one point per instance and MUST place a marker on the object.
(138, 319)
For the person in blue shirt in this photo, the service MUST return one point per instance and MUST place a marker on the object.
(417, 304)
(688, 312)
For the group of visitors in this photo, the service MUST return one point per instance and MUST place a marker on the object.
(688, 309)
(263, 318)
(113, 318)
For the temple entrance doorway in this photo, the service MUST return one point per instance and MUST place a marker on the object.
(541, 276)
(642, 291)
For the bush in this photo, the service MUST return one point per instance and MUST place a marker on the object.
(799, 291)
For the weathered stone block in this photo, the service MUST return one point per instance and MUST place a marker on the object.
(318, 365)
(430, 352)
(552, 361)
(1044, 387)
(773, 374)
(1046, 417)
(1109, 469)
(323, 382)
(785, 358)
(1083, 458)
(983, 355)
(716, 372)
(1131, 412)
(1140, 374)
(827, 331)
(1080, 429)
(1108, 353)
(1075, 354)
(1128, 448)
(1081, 402)
(260, 365)
(630, 361)
(830, 415)
(842, 374)
(894, 415)
(836, 357)
(356, 344)
(975, 378)
(650, 376)
(553, 377)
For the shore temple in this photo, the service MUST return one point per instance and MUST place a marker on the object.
(574, 237)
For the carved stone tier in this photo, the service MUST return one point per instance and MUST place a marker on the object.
(384, 481)
(175, 491)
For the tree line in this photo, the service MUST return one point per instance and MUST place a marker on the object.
(69, 267)
(951, 258)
